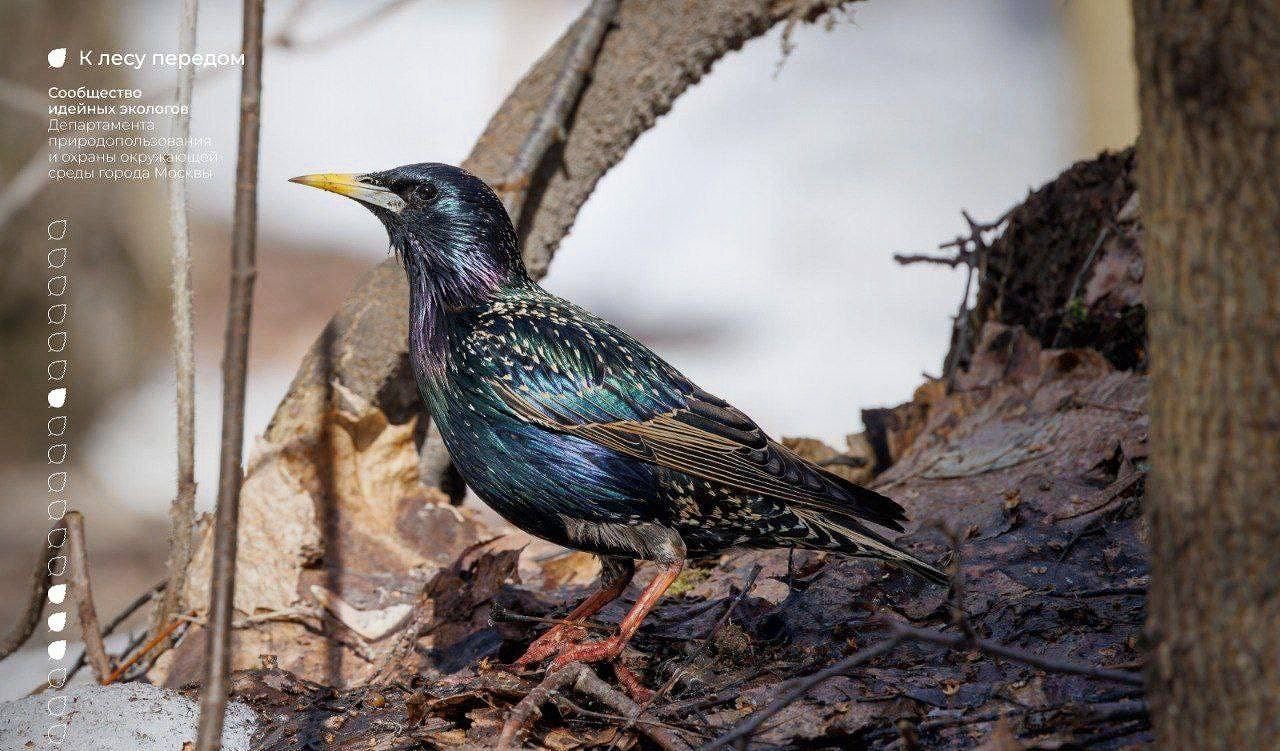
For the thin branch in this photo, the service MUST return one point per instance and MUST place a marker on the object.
(996, 649)
(78, 572)
(146, 648)
(213, 700)
(529, 708)
(799, 687)
(579, 677)
(26, 625)
(952, 261)
(898, 634)
(113, 624)
(589, 684)
(183, 510)
(971, 251)
(552, 123)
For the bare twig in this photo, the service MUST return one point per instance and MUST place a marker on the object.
(550, 127)
(971, 252)
(996, 649)
(580, 678)
(500, 614)
(234, 368)
(952, 261)
(589, 684)
(530, 707)
(798, 688)
(39, 589)
(146, 648)
(182, 511)
(78, 572)
(114, 623)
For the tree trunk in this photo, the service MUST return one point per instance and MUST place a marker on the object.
(1209, 176)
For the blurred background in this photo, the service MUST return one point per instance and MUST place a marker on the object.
(747, 238)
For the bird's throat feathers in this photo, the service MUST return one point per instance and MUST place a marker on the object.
(446, 283)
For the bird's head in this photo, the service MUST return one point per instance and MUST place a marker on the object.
(448, 227)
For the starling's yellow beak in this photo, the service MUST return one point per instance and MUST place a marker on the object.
(354, 186)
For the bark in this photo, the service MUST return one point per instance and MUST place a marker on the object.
(1210, 93)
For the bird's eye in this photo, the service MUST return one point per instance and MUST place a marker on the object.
(425, 193)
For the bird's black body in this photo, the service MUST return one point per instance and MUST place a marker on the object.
(574, 431)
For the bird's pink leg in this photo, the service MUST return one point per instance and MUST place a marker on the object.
(607, 649)
(562, 634)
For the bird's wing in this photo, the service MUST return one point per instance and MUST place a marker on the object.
(576, 374)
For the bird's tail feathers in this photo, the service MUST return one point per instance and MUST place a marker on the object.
(859, 541)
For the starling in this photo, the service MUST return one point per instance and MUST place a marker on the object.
(577, 433)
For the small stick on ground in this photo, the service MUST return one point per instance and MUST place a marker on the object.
(26, 625)
(530, 707)
(115, 622)
(78, 571)
(799, 688)
(150, 645)
(996, 649)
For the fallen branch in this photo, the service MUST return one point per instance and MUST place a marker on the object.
(213, 699)
(996, 649)
(78, 572)
(799, 688)
(113, 624)
(580, 678)
(139, 654)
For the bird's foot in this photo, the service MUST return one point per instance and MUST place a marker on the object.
(591, 651)
(557, 638)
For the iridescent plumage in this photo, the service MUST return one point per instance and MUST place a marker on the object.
(576, 432)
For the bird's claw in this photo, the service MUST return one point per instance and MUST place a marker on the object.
(588, 652)
(556, 639)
